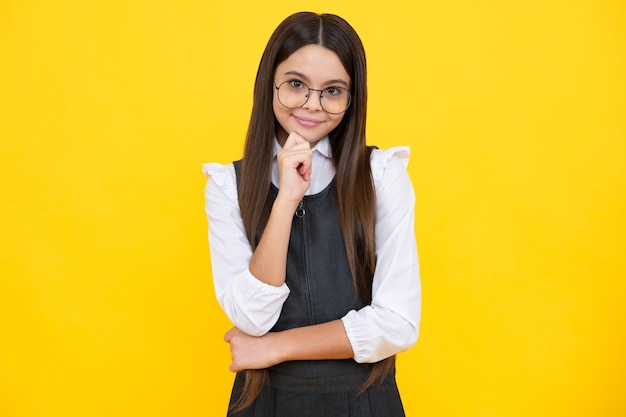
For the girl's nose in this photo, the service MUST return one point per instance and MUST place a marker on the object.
(314, 103)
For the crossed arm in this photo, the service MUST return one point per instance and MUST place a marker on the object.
(250, 285)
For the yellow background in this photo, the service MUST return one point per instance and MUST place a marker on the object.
(516, 115)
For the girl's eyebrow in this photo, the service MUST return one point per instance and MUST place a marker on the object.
(305, 78)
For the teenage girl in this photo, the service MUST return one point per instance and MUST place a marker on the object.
(312, 237)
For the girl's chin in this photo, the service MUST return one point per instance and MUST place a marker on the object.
(310, 137)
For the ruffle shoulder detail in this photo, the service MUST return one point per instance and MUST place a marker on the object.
(223, 176)
(380, 158)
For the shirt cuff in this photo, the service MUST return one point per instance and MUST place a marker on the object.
(372, 341)
(255, 306)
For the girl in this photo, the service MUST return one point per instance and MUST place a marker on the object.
(312, 240)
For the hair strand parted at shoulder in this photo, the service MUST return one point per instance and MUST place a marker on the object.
(354, 187)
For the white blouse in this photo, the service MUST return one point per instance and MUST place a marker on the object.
(390, 324)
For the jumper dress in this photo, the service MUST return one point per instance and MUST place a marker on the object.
(321, 290)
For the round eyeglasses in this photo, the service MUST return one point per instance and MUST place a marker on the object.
(294, 94)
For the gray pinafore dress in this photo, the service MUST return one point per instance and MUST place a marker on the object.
(321, 290)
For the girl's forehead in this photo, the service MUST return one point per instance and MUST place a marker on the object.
(315, 62)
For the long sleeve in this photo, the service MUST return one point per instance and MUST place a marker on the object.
(251, 305)
(390, 324)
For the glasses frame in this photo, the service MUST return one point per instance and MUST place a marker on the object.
(308, 95)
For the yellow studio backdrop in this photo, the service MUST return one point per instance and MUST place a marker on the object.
(516, 115)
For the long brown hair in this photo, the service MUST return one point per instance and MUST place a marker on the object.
(353, 180)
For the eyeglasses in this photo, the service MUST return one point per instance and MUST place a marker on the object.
(294, 94)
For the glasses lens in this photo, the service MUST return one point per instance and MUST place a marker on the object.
(335, 100)
(294, 94)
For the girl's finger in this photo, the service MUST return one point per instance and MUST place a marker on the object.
(229, 334)
(293, 139)
(304, 171)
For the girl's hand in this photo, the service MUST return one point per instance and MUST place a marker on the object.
(294, 168)
(250, 352)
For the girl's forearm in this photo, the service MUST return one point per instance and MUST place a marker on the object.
(320, 341)
(268, 263)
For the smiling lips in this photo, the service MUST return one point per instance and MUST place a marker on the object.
(307, 122)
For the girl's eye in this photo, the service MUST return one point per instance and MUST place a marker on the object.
(296, 84)
(333, 91)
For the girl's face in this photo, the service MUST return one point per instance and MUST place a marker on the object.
(318, 68)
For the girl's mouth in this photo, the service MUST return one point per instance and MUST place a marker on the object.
(307, 122)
